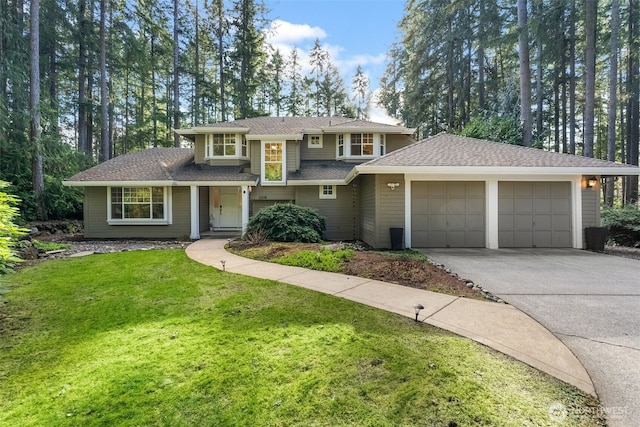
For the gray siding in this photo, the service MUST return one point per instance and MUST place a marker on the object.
(341, 213)
(367, 211)
(389, 209)
(327, 152)
(256, 154)
(96, 226)
(395, 142)
(199, 149)
(590, 210)
(293, 156)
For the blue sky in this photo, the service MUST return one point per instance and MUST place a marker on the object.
(352, 31)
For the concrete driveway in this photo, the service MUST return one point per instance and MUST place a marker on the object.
(590, 301)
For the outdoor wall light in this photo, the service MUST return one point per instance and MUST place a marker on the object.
(393, 185)
(592, 181)
(417, 308)
(223, 262)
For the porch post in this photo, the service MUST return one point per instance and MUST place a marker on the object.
(195, 217)
(491, 219)
(245, 207)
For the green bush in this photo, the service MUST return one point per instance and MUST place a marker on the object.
(287, 222)
(623, 224)
(9, 231)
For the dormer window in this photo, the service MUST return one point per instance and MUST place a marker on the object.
(356, 145)
(219, 145)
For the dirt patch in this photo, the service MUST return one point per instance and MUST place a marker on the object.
(376, 265)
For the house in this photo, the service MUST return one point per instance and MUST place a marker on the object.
(364, 177)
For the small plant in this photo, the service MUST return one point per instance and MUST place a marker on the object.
(50, 246)
(9, 231)
(287, 222)
(256, 237)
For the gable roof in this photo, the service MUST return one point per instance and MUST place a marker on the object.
(158, 166)
(445, 152)
(292, 127)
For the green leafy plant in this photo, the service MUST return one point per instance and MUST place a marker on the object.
(50, 246)
(9, 231)
(623, 224)
(287, 222)
(323, 260)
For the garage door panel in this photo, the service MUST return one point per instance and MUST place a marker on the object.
(450, 214)
(541, 218)
(523, 205)
(475, 222)
(475, 206)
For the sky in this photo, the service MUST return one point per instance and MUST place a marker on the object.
(354, 32)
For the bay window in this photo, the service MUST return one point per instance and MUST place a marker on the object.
(225, 145)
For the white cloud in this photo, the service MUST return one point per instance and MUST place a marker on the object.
(283, 33)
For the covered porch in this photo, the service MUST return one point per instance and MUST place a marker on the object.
(219, 209)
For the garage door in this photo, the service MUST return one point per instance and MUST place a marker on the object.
(447, 215)
(534, 214)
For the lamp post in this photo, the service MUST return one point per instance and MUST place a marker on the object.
(417, 308)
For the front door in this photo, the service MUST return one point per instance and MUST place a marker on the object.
(225, 208)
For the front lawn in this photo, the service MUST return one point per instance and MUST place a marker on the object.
(153, 338)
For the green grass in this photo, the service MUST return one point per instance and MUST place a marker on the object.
(50, 246)
(323, 259)
(153, 338)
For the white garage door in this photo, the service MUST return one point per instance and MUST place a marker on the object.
(448, 214)
(534, 214)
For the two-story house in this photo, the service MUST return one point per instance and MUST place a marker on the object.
(364, 177)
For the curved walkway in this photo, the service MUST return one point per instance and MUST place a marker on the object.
(499, 326)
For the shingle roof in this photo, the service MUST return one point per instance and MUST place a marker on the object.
(321, 170)
(160, 164)
(458, 151)
(294, 125)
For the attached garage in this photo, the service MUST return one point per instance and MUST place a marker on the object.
(448, 214)
(534, 214)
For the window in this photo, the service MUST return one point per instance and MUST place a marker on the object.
(224, 145)
(362, 144)
(340, 145)
(245, 147)
(138, 205)
(328, 192)
(383, 145)
(274, 162)
(315, 141)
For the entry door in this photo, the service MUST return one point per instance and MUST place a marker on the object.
(225, 207)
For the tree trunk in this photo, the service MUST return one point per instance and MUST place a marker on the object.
(613, 98)
(37, 172)
(572, 78)
(176, 76)
(104, 93)
(633, 105)
(525, 75)
(83, 145)
(591, 8)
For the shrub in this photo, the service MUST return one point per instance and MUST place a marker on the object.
(9, 231)
(287, 222)
(623, 224)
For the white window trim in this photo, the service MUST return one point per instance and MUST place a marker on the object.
(168, 207)
(263, 180)
(333, 195)
(379, 140)
(239, 142)
(320, 141)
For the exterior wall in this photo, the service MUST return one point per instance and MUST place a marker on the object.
(203, 207)
(293, 156)
(199, 149)
(389, 209)
(341, 213)
(367, 208)
(262, 197)
(255, 148)
(95, 218)
(590, 210)
(327, 152)
(395, 142)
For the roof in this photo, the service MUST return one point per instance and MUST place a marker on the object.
(162, 166)
(321, 170)
(448, 152)
(293, 127)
